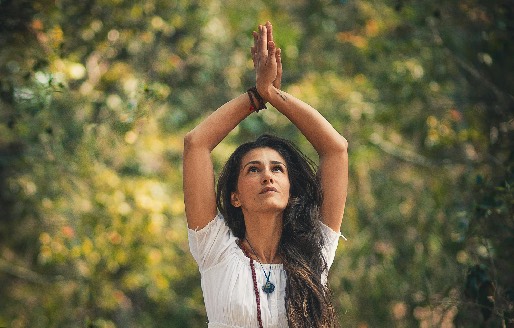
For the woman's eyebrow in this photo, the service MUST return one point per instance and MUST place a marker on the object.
(252, 162)
(277, 162)
(260, 163)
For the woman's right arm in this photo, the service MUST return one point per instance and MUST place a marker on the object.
(198, 172)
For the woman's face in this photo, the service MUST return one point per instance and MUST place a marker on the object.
(263, 184)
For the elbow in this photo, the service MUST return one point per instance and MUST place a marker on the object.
(342, 144)
(191, 140)
(338, 146)
(194, 140)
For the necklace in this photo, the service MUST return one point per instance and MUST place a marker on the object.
(255, 289)
(268, 286)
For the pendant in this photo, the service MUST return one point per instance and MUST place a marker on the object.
(268, 287)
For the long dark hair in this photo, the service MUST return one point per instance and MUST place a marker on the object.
(308, 301)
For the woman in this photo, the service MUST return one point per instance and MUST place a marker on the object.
(265, 240)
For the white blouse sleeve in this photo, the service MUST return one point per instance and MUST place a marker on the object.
(210, 244)
(331, 239)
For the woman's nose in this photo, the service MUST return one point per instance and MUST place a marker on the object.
(267, 176)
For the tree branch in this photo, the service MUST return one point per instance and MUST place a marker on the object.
(21, 272)
(403, 154)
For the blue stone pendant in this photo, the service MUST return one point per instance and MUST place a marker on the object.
(268, 287)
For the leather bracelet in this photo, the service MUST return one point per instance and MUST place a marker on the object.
(256, 100)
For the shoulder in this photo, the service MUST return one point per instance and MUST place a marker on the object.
(209, 245)
(216, 222)
(329, 234)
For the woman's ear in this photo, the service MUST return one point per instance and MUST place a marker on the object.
(234, 200)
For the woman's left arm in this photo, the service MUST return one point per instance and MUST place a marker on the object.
(330, 145)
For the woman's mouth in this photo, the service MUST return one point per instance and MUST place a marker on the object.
(268, 189)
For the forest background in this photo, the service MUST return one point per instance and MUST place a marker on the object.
(96, 96)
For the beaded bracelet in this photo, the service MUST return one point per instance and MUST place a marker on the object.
(254, 96)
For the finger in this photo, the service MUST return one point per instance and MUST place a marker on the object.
(255, 39)
(270, 31)
(272, 50)
(255, 46)
(278, 57)
(263, 40)
(278, 80)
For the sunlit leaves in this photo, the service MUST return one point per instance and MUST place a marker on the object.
(97, 95)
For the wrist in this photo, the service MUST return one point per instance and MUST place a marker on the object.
(257, 102)
(265, 92)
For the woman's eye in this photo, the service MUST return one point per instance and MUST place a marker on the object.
(278, 168)
(253, 169)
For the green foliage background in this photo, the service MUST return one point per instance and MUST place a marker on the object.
(96, 96)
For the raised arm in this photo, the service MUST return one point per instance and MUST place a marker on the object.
(331, 148)
(198, 172)
(329, 144)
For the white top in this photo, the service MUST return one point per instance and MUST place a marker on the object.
(227, 282)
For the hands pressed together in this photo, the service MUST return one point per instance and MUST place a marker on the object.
(266, 60)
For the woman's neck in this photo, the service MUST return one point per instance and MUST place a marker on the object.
(263, 233)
